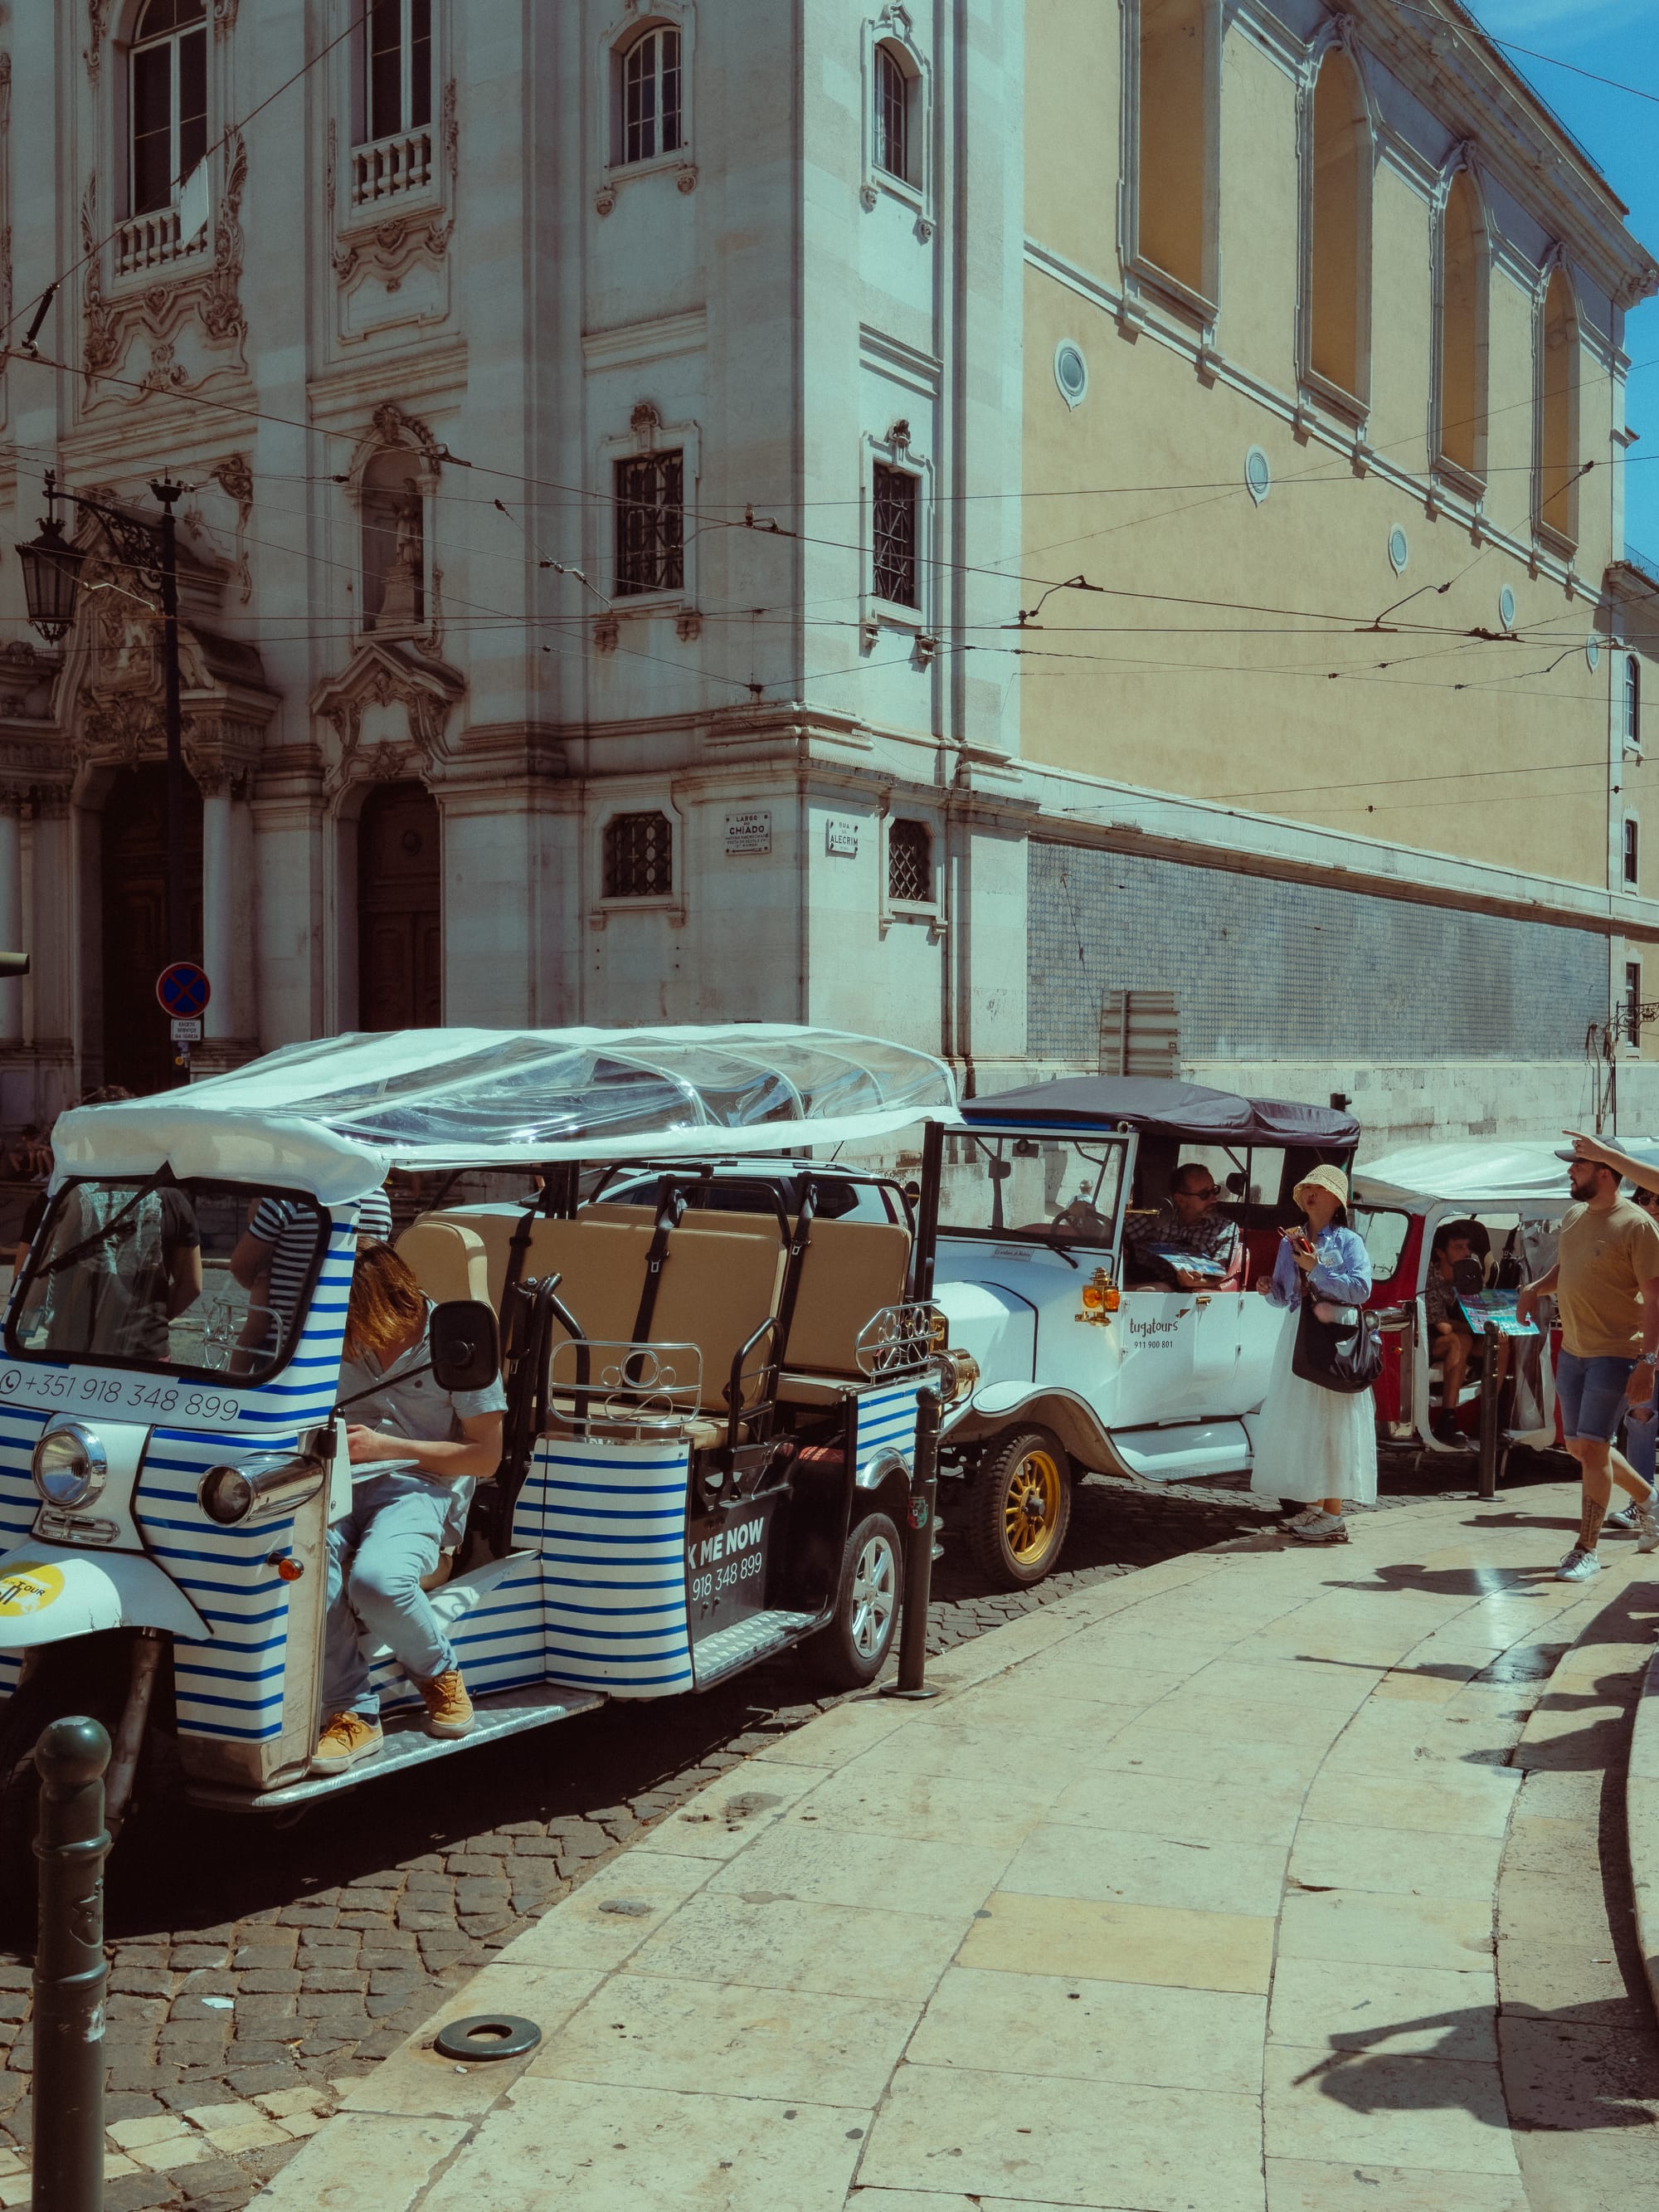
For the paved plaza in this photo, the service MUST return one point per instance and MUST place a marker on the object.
(1264, 1877)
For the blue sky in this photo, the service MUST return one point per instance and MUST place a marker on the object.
(1617, 39)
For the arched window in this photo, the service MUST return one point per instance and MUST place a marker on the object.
(1174, 162)
(894, 88)
(169, 99)
(639, 856)
(1633, 702)
(394, 544)
(650, 117)
(1463, 328)
(909, 860)
(397, 67)
(1557, 444)
(1340, 218)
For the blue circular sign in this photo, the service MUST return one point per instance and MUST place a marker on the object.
(183, 989)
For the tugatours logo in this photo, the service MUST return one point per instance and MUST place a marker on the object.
(729, 1544)
(1153, 1335)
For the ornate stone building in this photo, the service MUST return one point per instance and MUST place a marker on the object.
(879, 515)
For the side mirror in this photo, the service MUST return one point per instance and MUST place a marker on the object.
(467, 1353)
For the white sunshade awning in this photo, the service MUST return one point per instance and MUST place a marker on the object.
(1479, 1173)
(336, 1114)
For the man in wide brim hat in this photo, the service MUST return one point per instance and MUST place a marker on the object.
(1605, 1285)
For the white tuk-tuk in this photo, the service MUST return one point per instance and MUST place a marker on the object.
(711, 1415)
(1510, 1196)
(1086, 1359)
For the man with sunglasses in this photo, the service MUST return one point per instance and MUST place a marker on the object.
(1185, 1221)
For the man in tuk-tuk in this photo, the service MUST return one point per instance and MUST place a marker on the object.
(420, 1450)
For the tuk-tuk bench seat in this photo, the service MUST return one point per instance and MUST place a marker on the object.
(448, 1259)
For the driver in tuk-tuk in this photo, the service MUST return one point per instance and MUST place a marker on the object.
(1187, 1239)
(417, 1451)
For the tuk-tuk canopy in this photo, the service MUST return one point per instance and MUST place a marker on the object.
(1492, 1174)
(1158, 1107)
(336, 1115)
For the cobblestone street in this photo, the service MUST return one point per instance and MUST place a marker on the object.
(255, 1969)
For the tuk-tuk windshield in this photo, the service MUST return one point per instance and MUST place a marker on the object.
(1384, 1232)
(206, 1278)
(1054, 1187)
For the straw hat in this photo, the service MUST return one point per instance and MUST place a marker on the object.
(1324, 1178)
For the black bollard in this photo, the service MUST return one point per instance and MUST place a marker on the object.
(70, 1970)
(1489, 1410)
(919, 1552)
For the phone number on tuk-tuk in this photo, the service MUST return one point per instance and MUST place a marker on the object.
(115, 1395)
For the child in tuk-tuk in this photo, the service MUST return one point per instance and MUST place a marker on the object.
(417, 1450)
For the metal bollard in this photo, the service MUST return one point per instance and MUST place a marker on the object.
(1488, 1478)
(919, 1552)
(70, 1970)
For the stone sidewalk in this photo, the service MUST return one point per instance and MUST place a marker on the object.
(1183, 1898)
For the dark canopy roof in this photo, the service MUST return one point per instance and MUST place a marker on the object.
(1158, 1107)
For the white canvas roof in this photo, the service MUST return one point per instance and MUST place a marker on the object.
(336, 1115)
(1480, 1172)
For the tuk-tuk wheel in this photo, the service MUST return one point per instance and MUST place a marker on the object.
(1018, 1507)
(852, 1649)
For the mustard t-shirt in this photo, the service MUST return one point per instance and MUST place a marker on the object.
(1604, 1259)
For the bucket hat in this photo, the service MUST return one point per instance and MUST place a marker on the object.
(1324, 1178)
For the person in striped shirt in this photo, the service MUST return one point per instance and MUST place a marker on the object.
(273, 1258)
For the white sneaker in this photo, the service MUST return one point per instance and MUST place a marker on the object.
(1621, 1520)
(1578, 1566)
(1646, 1517)
(1318, 1526)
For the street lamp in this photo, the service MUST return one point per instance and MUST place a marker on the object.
(51, 579)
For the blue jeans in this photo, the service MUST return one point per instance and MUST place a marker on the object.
(377, 1556)
(1641, 1433)
(1591, 1396)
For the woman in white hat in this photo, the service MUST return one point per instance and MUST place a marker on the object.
(1317, 1447)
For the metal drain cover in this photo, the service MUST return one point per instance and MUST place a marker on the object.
(487, 2035)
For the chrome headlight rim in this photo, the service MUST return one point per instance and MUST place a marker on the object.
(263, 1488)
(89, 1460)
(958, 1373)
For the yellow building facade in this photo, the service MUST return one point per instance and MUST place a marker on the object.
(1324, 378)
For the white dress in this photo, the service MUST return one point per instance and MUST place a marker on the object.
(1310, 1444)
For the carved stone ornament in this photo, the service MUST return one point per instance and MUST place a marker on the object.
(235, 479)
(605, 199)
(204, 295)
(97, 24)
(383, 674)
(391, 248)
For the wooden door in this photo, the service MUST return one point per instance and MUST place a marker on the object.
(137, 1039)
(399, 910)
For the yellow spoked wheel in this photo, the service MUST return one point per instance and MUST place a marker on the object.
(1019, 1505)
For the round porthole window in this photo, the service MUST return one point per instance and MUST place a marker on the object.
(1071, 372)
(1506, 607)
(1593, 651)
(1400, 550)
(1258, 474)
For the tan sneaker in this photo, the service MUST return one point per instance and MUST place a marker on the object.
(348, 1738)
(448, 1707)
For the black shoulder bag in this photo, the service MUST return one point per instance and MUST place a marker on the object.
(1345, 1356)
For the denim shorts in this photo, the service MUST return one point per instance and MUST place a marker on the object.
(1591, 1394)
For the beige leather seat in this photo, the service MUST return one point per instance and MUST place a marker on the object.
(850, 1271)
(448, 1260)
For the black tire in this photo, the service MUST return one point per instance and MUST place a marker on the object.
(851, 1650)
(1018, 1507)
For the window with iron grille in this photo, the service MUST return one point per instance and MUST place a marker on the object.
(639, 856)
(892, 115)
(1633, 852)
(895, 535)
(650, 524)
(651, 110)
(909, 860)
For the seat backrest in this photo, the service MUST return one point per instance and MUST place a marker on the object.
(448, 1260)
(717, 1289)
(852, 1269)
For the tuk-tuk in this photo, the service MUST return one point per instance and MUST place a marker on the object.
(1509, 1198)
(1085, 1360)
(711, 1416)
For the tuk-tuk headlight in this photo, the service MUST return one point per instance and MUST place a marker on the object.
(226, 1496)
(69, 1467)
